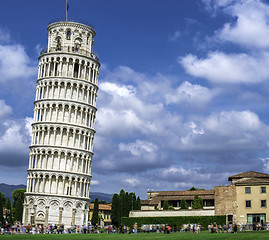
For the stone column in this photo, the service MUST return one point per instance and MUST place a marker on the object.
(47, 215)
(73, 216)
(60, 215)
(25, 213)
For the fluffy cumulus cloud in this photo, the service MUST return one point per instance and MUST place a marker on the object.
(145, 138)
(233, 131)
(192, 95)
(5, 109)
(248, 28)
(15, 63)
(251, 27)
(14, 142)
(219, 67)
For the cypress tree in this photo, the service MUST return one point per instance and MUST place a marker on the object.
(138, 203)
(116, 210)
(19, 209)
(9, 212)
(133, 202)
(197, 203)
(122, 204)
(165, 205)
(1, 209)
(184, 204)
(95, 212)
(126, 205)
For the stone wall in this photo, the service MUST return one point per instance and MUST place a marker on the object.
(225, 200)
(172, 213)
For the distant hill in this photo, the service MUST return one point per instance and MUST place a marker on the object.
(101, 196)
(8, 189)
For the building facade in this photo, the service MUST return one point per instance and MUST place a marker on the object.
(61, 150)
(244, 201)
(104, 213)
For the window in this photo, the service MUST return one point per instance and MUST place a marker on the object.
(263, 204)
(248, 203)
(247, 190)
(263, 189)
(68, 35)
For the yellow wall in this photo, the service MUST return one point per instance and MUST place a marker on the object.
(255, 196)
(105, 214)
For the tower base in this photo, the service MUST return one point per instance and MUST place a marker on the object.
(55, 210)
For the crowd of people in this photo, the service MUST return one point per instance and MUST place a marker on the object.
(123, 229)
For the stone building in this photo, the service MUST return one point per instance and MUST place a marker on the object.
(243, 201)
(61, 150)
(104, 212)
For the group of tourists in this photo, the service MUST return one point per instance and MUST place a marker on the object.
(233, 228)
(124, 229)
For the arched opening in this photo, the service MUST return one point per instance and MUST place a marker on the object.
(68, 34)
(58, 43)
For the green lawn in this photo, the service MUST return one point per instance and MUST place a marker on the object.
(146, 236)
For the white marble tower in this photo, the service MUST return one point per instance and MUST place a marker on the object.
(61, 151)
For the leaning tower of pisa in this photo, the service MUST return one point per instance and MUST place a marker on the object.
(61, 150)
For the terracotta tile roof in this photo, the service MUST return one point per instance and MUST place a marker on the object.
(101, 206)
(144, 202)
(179, 195)
(250, 181)
(185, 193)
(250, 174)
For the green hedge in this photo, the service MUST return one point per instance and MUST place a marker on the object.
(204, 221)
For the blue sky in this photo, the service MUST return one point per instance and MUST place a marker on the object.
(183, 89)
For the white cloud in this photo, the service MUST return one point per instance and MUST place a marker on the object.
(15, 63)
(220, 67)
(124, 91)
(5, 109)
(138, 147)
(192, 94)
(28, 125)
(14, 142)
(251, 27)
(133, 182)
(226, 132)
(95, 182)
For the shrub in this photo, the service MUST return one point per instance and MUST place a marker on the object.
(179, 221)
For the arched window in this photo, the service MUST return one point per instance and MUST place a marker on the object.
(68, 35)
(58, 44)
(78, 44)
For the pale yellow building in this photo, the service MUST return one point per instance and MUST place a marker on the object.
(104, 213)
(252, 196)
(244, 201)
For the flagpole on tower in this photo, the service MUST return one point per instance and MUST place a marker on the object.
(66, 8)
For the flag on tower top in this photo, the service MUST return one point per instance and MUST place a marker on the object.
(67, 6)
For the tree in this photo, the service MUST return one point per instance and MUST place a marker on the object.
(138, 203)
(95, 212)
(19, 209)
(132, 201)
(2, 198)
(165, 205)
(116, 210)
(197, 202)
(184, 204)
(9, 212)
(16, 194)
(195, 189)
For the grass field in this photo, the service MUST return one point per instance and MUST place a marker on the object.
(145, 236)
